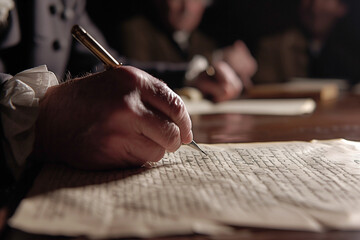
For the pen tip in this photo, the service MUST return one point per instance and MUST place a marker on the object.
(194, 145)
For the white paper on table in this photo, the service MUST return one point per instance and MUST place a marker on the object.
(252, 106)
(284, 185)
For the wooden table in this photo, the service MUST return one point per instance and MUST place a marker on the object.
(333, 119)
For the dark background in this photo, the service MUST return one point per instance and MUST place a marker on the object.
(226, 20)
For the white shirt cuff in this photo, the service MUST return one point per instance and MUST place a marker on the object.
(19, 110)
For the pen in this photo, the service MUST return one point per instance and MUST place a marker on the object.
(89, 42)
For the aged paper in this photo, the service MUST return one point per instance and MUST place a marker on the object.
(252, 106)
(285, 185)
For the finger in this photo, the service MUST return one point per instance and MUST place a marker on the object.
(227, 85)
(117, 145)
(162, 98)
(232, 83)
(220, 72)
(210, 87)
(160, 130)
(138, 118)
(133, 150)
(241, 45)
(120, 151)
(156, 94)
(224, 72)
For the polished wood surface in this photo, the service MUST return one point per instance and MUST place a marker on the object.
(332, 119)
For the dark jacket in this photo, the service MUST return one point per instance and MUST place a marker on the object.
(40, 34)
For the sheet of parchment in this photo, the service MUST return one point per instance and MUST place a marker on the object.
(286, 185)
(252, 106)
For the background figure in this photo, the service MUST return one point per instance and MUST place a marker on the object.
(317, 47)
(38, 32)
(167, 32)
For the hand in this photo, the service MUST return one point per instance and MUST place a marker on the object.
(241, 61)
(117, 118)
(224, 85)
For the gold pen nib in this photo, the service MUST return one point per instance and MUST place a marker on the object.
(195, 146)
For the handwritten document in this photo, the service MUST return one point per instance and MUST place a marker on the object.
(285, 185)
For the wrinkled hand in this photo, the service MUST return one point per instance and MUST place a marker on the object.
(241, 61)
(118, 118)
(224, 85)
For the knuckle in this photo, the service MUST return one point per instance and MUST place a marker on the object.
(172, 134)
(178, 111)
(177, 108)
